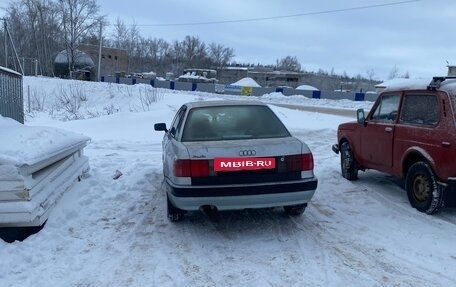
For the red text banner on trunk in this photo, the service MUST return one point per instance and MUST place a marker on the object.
(236, 163)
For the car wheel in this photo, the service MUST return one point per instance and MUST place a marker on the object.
(174, 214)
(423, 191)
(348, 162)
(295, 210)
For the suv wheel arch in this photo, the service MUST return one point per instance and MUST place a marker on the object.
(348, 164)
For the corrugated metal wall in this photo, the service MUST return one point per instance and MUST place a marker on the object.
(11, 95)
(236, 90)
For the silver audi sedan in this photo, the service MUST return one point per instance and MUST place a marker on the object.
(228, 155)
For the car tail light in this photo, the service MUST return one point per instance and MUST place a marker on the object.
(299, 162)
(190, 168)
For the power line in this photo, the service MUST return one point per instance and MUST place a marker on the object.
(281, 17)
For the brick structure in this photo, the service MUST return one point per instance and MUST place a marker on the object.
(113, 61)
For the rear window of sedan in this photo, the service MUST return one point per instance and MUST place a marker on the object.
(232, 122)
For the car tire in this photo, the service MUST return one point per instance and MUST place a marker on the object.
(348, 162)
(174, 214)
(295, 210)
(423, 191)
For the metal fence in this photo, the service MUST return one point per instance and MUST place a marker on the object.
(11, 95)
(245, 91)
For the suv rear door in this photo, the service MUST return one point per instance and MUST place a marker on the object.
(421, 127)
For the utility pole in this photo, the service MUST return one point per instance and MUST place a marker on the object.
(6, 42)
(13, 48)
(99, 53)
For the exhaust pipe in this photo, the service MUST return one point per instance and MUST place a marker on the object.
(211, 212)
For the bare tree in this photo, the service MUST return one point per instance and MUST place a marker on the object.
(120, 34)
(177, 55)
(78, 18)
(220, 55)
(132, 42)
(194, 50)
(35, 29)
(289, 64)
(370, 74)
(394, 73)
(157, 50)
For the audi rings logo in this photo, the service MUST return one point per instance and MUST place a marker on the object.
(248, 152)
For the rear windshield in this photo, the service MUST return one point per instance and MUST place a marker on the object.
(232, 123)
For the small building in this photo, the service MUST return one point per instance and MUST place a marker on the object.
(266, 77)
(451, 71)
(114, 61)
(278, 78)
(228, 75)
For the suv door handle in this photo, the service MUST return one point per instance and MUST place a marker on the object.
(446, 144)
(388, 129)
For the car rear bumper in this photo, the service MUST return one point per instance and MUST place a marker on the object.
(231, 197)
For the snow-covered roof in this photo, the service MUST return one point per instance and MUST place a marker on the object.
(191, 76)
(236, 68)
(246, 82)
(403, 83)
(307, 88)
(9, 71)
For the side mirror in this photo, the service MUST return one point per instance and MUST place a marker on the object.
(160, 127)
(360, 116)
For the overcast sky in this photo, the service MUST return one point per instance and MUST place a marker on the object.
(417, 37)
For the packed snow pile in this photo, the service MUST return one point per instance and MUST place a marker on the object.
(28, 145)
(37, 165)
(246, 82)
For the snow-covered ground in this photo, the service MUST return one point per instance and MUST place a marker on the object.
(107, 232)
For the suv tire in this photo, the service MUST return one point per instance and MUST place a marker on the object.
(423, 191)
(348, 162)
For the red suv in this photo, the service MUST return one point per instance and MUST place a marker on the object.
(410, 132)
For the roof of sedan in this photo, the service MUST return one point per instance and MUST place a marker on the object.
(224, 103)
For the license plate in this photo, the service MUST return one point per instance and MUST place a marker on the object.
(236, 163)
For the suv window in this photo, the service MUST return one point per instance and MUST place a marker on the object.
(386, 111)
(420, 109)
